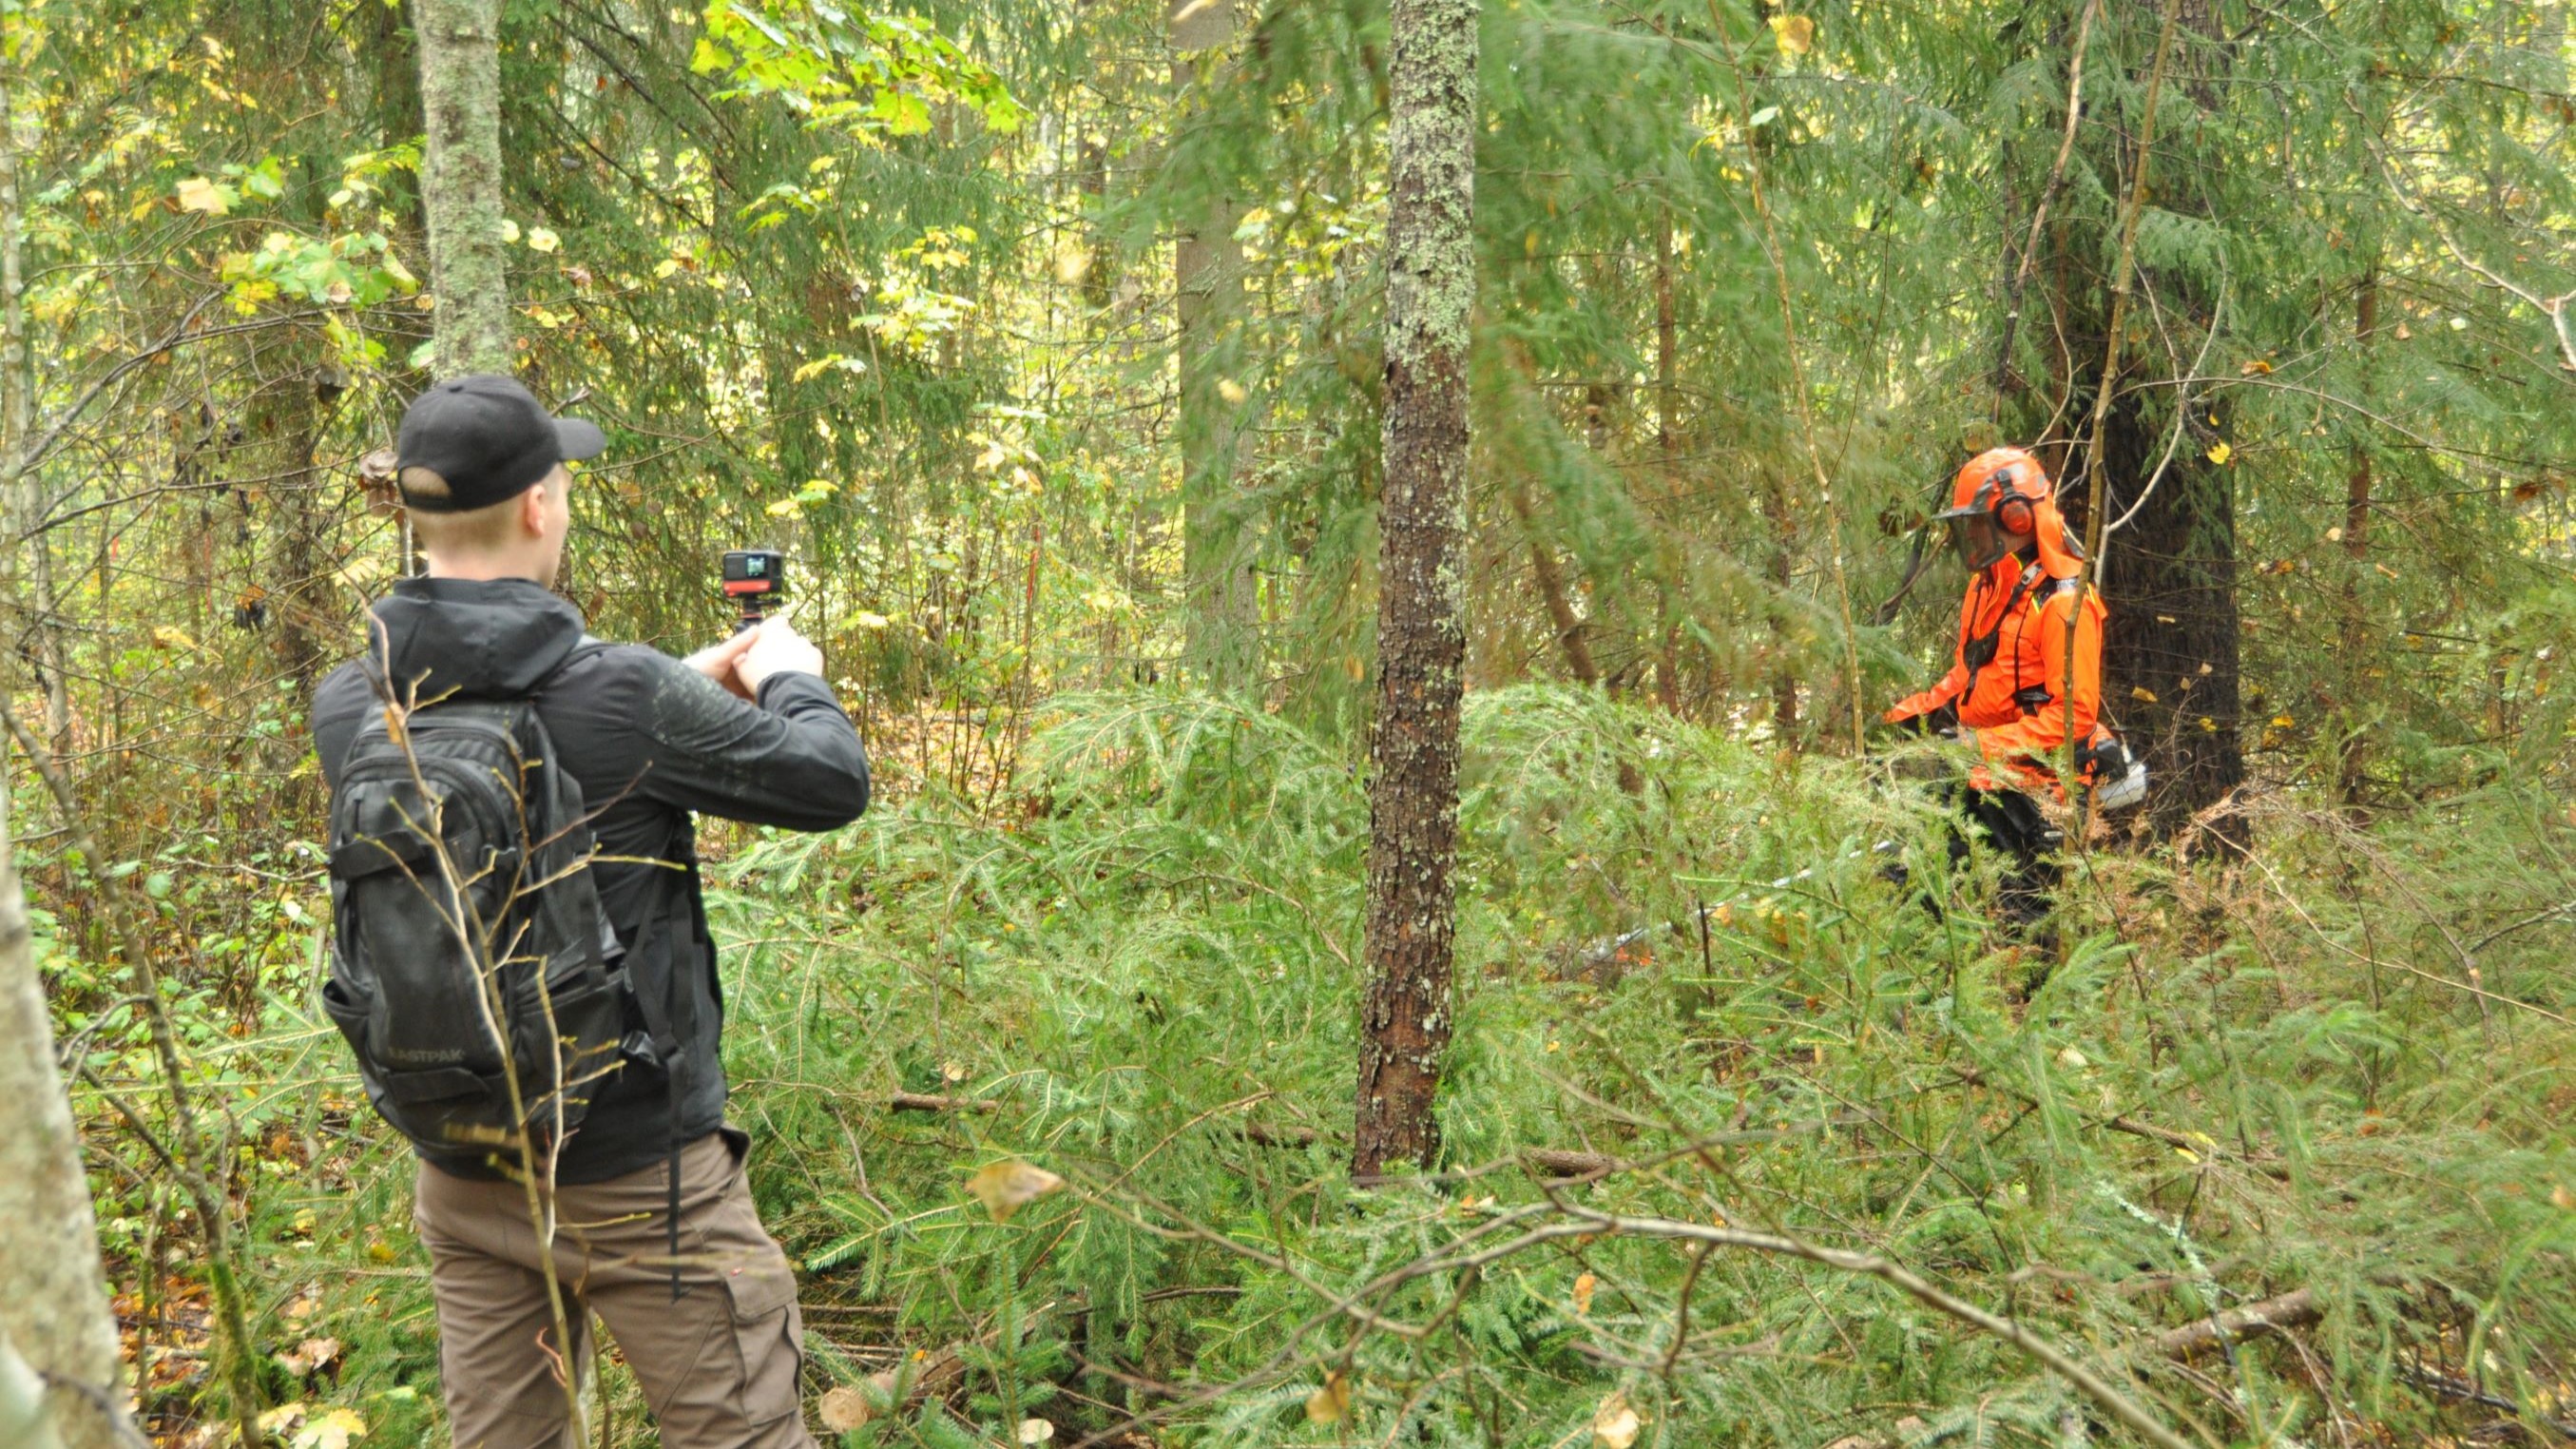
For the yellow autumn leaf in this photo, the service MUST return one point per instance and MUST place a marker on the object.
(2142, 694)
(1036, 1431)
(1796, 33)
(1006, 1187)
(1583, 1290)
(198, 194)
(542, 240)
(807, 372)
(2219, 453)
(1233, 392)
(1330, 1403)
(333, 1430)
(867, 619)
(2282, 721)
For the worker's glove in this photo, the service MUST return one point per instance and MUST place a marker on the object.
(1931, 722)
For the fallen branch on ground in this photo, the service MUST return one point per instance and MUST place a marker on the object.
(924, 1102)
(2272, 1315)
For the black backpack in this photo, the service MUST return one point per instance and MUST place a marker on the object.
(472, 968)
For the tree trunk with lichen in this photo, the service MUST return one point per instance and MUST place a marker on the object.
(1421, 632)
(460, 183)
(53, 1299)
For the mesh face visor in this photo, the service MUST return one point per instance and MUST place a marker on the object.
(1974, 537)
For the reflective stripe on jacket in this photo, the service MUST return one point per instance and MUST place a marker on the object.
(2016, 700)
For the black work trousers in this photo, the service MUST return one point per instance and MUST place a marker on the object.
(2013, 823)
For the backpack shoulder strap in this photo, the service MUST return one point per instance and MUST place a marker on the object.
(2046, 593)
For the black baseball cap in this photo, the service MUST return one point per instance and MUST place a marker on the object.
(487, 438)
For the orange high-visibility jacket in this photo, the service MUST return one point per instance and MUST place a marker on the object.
(2016, 701)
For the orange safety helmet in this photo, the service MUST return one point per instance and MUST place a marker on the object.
(2001, 501)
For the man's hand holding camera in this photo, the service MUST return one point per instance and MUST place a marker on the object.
(742, 662)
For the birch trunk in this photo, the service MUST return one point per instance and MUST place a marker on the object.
(53, 1298)
(25, 1421)
(460, 183)
(1421, 633)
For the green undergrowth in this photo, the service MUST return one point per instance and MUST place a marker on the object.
(2250, 1076)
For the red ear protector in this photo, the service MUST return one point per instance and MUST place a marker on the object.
(2008, 506)
(2012, 511)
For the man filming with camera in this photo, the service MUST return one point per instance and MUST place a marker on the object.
(578, 1043)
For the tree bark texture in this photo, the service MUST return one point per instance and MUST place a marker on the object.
(2170, 586)
(2170, 650)
(53, 1298)
(1413, 785)
(1224, 644)
(26, 1421)
(460, 182)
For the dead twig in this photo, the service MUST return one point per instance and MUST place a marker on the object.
(925, 1102)
(2272, 1315)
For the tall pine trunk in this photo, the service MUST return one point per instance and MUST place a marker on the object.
(1421, 631)
(460, 183)
(53, 1298)
(1224, 644)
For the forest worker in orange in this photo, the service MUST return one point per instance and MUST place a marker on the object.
(2009, 681)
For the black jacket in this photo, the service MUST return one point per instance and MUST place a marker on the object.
(650, 741)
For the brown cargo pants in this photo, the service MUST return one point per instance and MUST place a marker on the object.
(719, 1367)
